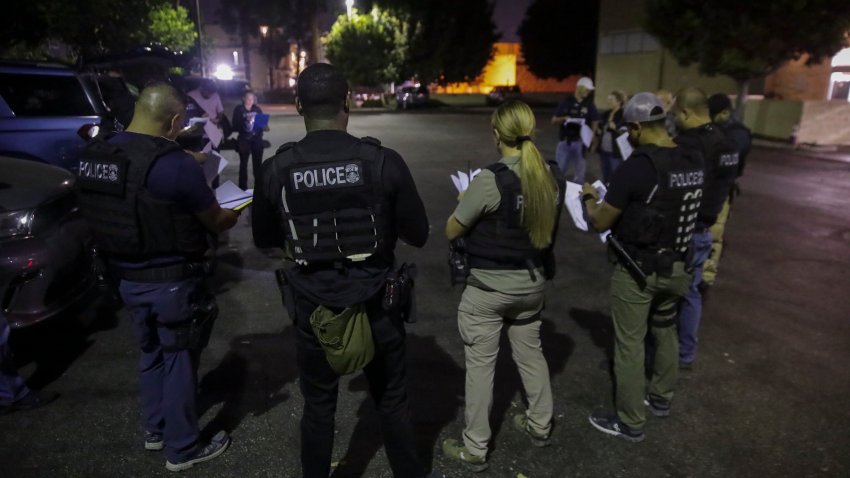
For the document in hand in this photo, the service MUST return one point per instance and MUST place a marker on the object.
(572, 200)
(260, 122)
(213, 133)
(586, 135)
(624, 145)
(213, 166)
(461, 180)
(229, 196)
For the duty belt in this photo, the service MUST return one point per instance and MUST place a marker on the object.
(169, 273)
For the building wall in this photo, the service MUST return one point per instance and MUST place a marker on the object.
(825, 122)
(796, 81)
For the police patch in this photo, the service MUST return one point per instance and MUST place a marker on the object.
(103, 174)
(343, 174)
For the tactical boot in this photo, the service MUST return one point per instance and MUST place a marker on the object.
(455, 449)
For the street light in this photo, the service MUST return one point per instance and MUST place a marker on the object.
(266, 43)
(264, 30)
(349, 5)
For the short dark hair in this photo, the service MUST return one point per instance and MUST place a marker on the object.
(717, 103)
(322, 91)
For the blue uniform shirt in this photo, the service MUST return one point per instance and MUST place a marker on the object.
(573, 108)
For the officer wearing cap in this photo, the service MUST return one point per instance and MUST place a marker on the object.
(152, 212)
(721, 159)
(508, 218)
(651, 208)
(337, 205)
(720, 110)
(571, 114)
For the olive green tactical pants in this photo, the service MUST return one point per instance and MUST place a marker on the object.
(634, 311)
(481, 316)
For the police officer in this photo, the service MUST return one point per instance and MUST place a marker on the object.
(571, 113)
(508, 218)
(720, 110)
(696, 132)
(14, 394)
(651, 208)
(337, 204)
(151, 210)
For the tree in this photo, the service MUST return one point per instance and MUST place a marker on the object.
(87, 28)
(558, 38)
(748, 40)
(368, 49)
(448, 41)
(172, 27)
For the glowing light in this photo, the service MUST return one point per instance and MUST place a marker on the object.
(349, 6)
(292, 82)
(223, 72)
(264, 30)
(842, 58)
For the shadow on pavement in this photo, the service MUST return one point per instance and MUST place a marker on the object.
(55, 344)
(435, 390)
(601, 328)
(249, 379)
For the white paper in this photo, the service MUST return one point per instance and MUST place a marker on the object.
(229, 195)
(624, 145)
(578, 121)
(586, 135)
(572, 199)
(193, 121)
(213, 166)
(213, 133)
(461, 180)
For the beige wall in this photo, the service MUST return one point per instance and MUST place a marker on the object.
(773, 118)
(621, 15)
(631, 72)
(825, 122)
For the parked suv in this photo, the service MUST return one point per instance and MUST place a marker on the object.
(46, 265)
(48, 112)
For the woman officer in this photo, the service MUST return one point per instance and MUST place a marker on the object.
(507, 218)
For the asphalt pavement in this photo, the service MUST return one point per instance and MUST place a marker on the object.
(767, 396)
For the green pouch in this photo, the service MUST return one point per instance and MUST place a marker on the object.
(346, 337)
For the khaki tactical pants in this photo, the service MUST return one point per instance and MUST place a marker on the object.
(634, 312)
(481, 316)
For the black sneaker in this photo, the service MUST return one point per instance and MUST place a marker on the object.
(153, 441)
(657, 406)
(30, 401)
(611, 425)
(217, 446)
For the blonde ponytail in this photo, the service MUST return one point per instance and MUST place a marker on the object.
(515, 123)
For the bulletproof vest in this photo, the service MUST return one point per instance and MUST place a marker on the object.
(333, 205)
(499, 240)
(576, 109)
(665, 221)
(129, 223)
(736, 131)
(721, 167)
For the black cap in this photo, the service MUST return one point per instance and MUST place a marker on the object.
(717, 103)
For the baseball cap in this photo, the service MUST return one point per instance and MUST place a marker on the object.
(643, 108)
(585, 82)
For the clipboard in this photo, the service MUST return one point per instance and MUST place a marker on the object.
(260, 122)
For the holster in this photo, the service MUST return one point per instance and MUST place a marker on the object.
(194, 333)
(458, 262)
(287, 296)
(399, 292)
(625, 260)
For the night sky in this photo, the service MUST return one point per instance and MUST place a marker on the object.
(508, 14)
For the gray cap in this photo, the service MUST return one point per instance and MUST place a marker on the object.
(643, 108)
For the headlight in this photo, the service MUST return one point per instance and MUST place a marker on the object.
(16, 223)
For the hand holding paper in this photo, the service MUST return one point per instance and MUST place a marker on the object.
(462, 180)
(229, 196)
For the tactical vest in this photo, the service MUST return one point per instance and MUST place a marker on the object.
(499, 240)
(666, 220)
(129, 223)
(744, 148)
(721, 167)
(332, 206)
